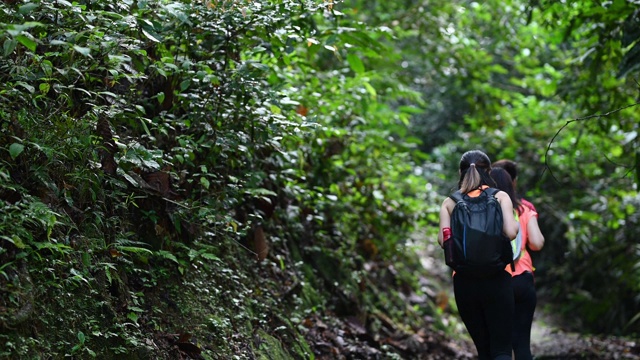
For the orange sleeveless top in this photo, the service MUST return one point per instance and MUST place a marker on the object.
(524, 263)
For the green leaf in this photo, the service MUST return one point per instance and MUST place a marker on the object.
(133, 249)
(58, 42)
(370, 90)
(167, 255)
(44, 88)
(15, 150)
(259, 49)
(149, 36)
(205, 182)
(27, 8)
(331, 48)
(144, 126)
(17, 29)
(15, 240)
(141, 109)
(260, 66)
(86, 259)
(131, 180)
(27, 42)
(209, 256)
(261, 191)
(356, 64)
(9, 45)
(133, 317)
(410, 109)
(81, 337)
(275, 109)
(82, 50)
(616, 151)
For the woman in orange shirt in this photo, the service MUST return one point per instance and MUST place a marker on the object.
(524, 291)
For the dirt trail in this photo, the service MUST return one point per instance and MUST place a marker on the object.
(548, 339)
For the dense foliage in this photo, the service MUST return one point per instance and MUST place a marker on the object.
(226, 173)
(153, 151)
(561, 100)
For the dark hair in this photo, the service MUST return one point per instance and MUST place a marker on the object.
(474, 171)
(509, 165)
(505, 183)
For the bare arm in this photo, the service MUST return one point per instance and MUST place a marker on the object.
(445, 217)
(509, 225)
(535, 237)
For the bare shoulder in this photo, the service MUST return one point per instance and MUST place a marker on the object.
(502, 196)
(448, 204)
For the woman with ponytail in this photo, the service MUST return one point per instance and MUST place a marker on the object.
(485, 304)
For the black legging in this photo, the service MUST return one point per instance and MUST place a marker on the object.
(524, 294)
(486, 308)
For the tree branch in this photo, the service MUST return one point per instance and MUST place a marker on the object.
(595, 116)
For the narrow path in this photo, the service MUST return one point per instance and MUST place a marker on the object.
(548, 339)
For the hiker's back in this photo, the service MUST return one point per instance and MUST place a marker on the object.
(485, 304)
(477, 246)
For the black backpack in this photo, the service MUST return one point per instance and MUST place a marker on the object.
(477, 246)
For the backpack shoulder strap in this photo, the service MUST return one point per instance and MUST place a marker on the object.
(456, 196)
(491, 191)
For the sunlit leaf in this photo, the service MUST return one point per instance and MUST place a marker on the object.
(149, 36)
(58, 42)
(355, 63)
(204, 182)
(260, 66)
(209, 256)
(27, 8)
(27, 42)
(9, 45)
(17, 29)
(275, 109)
(134, 249)
(331, 48)
(17, 241)
(82, 50)
(261, 191)
(44, 88)
(370, 89)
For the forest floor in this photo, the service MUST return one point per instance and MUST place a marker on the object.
(550, 338)
(550, 341)
(333, 336)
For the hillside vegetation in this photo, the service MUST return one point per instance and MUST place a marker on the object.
(257, 179)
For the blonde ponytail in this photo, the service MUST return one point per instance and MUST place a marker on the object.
(474, 171)
(472, 179)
